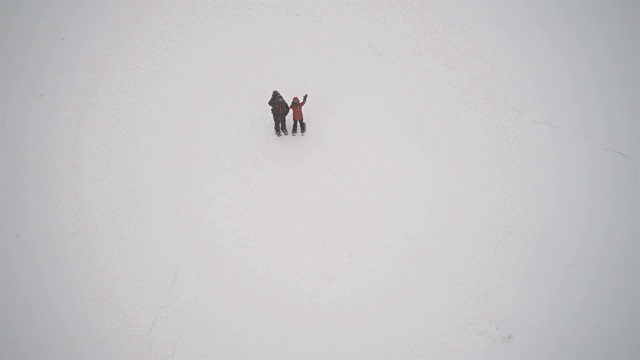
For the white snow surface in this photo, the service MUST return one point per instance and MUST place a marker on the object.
(467, 187)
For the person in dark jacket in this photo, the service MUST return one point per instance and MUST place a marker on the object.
(279, 109)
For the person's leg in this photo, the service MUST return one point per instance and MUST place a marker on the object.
(295, 127)
(303, 126)
(276, 124)
(283, 125)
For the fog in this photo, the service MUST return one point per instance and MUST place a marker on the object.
(467, 186)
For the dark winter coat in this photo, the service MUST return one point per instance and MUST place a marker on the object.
(272, 101)
(279, 108)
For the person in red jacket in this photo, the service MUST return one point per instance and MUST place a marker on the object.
(296, 106)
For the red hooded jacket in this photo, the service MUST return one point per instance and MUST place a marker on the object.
(296, 106)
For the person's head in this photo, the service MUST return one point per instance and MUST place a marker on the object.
(296, 100)
(280, 99)
(275, 93)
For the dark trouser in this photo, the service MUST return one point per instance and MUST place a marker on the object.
(303, 126)
(280, 123)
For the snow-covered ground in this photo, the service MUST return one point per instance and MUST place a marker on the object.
(467, 188)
